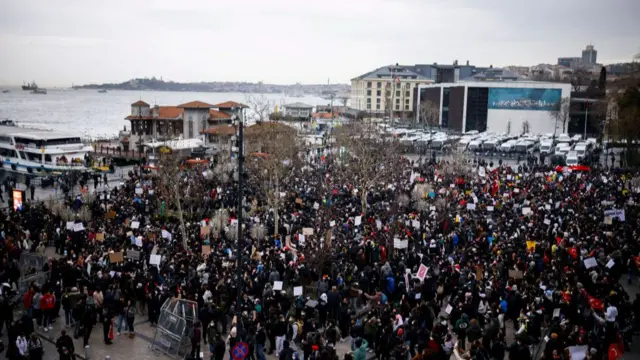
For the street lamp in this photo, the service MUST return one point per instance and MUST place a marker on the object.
(239, 147)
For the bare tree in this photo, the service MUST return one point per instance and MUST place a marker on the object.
(387, 98)
(272, 152)
(430, 113)
(172, 186)
(456, 164)
(526, 127)
(580, 78)
(367, 159)
(260, 107)
(561, 113)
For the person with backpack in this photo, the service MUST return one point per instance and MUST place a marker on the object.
(35, 347)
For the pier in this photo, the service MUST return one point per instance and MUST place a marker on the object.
(115, 151)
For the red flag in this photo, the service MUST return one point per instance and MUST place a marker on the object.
(595, 303)
(614, 352)
(573, 252)
(111, 335)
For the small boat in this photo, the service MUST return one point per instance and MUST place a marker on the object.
(39, 91)
(32, 86)
(102, 91)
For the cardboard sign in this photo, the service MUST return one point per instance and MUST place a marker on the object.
(307, 231)
(111, 214)
(100, 237)
(117, 257)
(205, 231)
(133, 255)
(327, 238)
(299, 201)
(206, 249)
(515, 274)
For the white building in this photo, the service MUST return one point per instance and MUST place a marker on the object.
(385, 88)
(491, 105)
(298, 111)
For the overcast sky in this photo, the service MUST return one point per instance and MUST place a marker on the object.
(60, 42)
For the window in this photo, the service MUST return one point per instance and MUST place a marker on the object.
(407, 107)
(397, 107)
(397, 101)
(397, 93)
(378, 107)
(368, 106)
(369, 100)
(379, 84)
(407, 94)
(369, 84)
(190, 129)
(368, 92)
(406, 101)
(378, 100)
(378, 93)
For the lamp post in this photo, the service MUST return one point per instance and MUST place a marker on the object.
(586, 117)
(240, 150)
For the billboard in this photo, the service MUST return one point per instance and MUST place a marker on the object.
(17, 197)
(523, 98)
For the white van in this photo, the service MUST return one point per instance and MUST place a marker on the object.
(572, 158)
(546, 147)
(583, 149)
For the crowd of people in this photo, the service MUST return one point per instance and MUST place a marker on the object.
(524, 262)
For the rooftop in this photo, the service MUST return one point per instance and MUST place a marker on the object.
(298, 105)
(229, 105)
(139, 103)
(36, 134)
(196, 105)
(494, 74)
(392, 70)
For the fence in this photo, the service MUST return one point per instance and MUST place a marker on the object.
(39, 278)
(172, 335)
(29, 260)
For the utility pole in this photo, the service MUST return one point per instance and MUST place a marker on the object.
(239, 284)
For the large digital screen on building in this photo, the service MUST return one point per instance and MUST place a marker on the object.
(17, 197)
(523, 98)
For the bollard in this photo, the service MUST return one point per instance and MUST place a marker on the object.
(86, 352)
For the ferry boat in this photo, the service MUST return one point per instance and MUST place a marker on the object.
(39, 152)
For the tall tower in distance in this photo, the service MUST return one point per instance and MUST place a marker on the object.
(589, 55)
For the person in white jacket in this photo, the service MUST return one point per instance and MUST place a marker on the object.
(23, 345)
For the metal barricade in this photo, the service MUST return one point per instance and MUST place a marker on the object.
(39, 278)
(175, 323)
(30, 261)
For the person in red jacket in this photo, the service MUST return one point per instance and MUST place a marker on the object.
(28, 301)
(47, 304)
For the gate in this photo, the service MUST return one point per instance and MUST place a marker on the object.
(172, 335)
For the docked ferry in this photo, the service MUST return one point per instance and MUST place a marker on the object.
(38, 152)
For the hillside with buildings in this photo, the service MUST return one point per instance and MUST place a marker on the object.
(220, 86)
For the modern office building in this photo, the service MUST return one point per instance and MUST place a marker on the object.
(491, 105)
(589, 55)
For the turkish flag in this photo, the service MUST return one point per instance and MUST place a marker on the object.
(573, 252)
(595, 303)
(614, 352)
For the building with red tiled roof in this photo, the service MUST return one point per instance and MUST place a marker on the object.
(188, 120)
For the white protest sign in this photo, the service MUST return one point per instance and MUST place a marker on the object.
(590, 262)
(547, 222)
(155, 259)
(379, 224)
(471, 206)
(316, 206)
(332, 223)
(490, 208)
(70, 225)
(358, 220)
(166, 235)
(297, 291)
(615, 214)
(135, 224)
(610, 263)
(277, 285)
(526, 211)
(78, 227)
(448, 309)
(138, 191)
(415, 224)
(400, 244)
